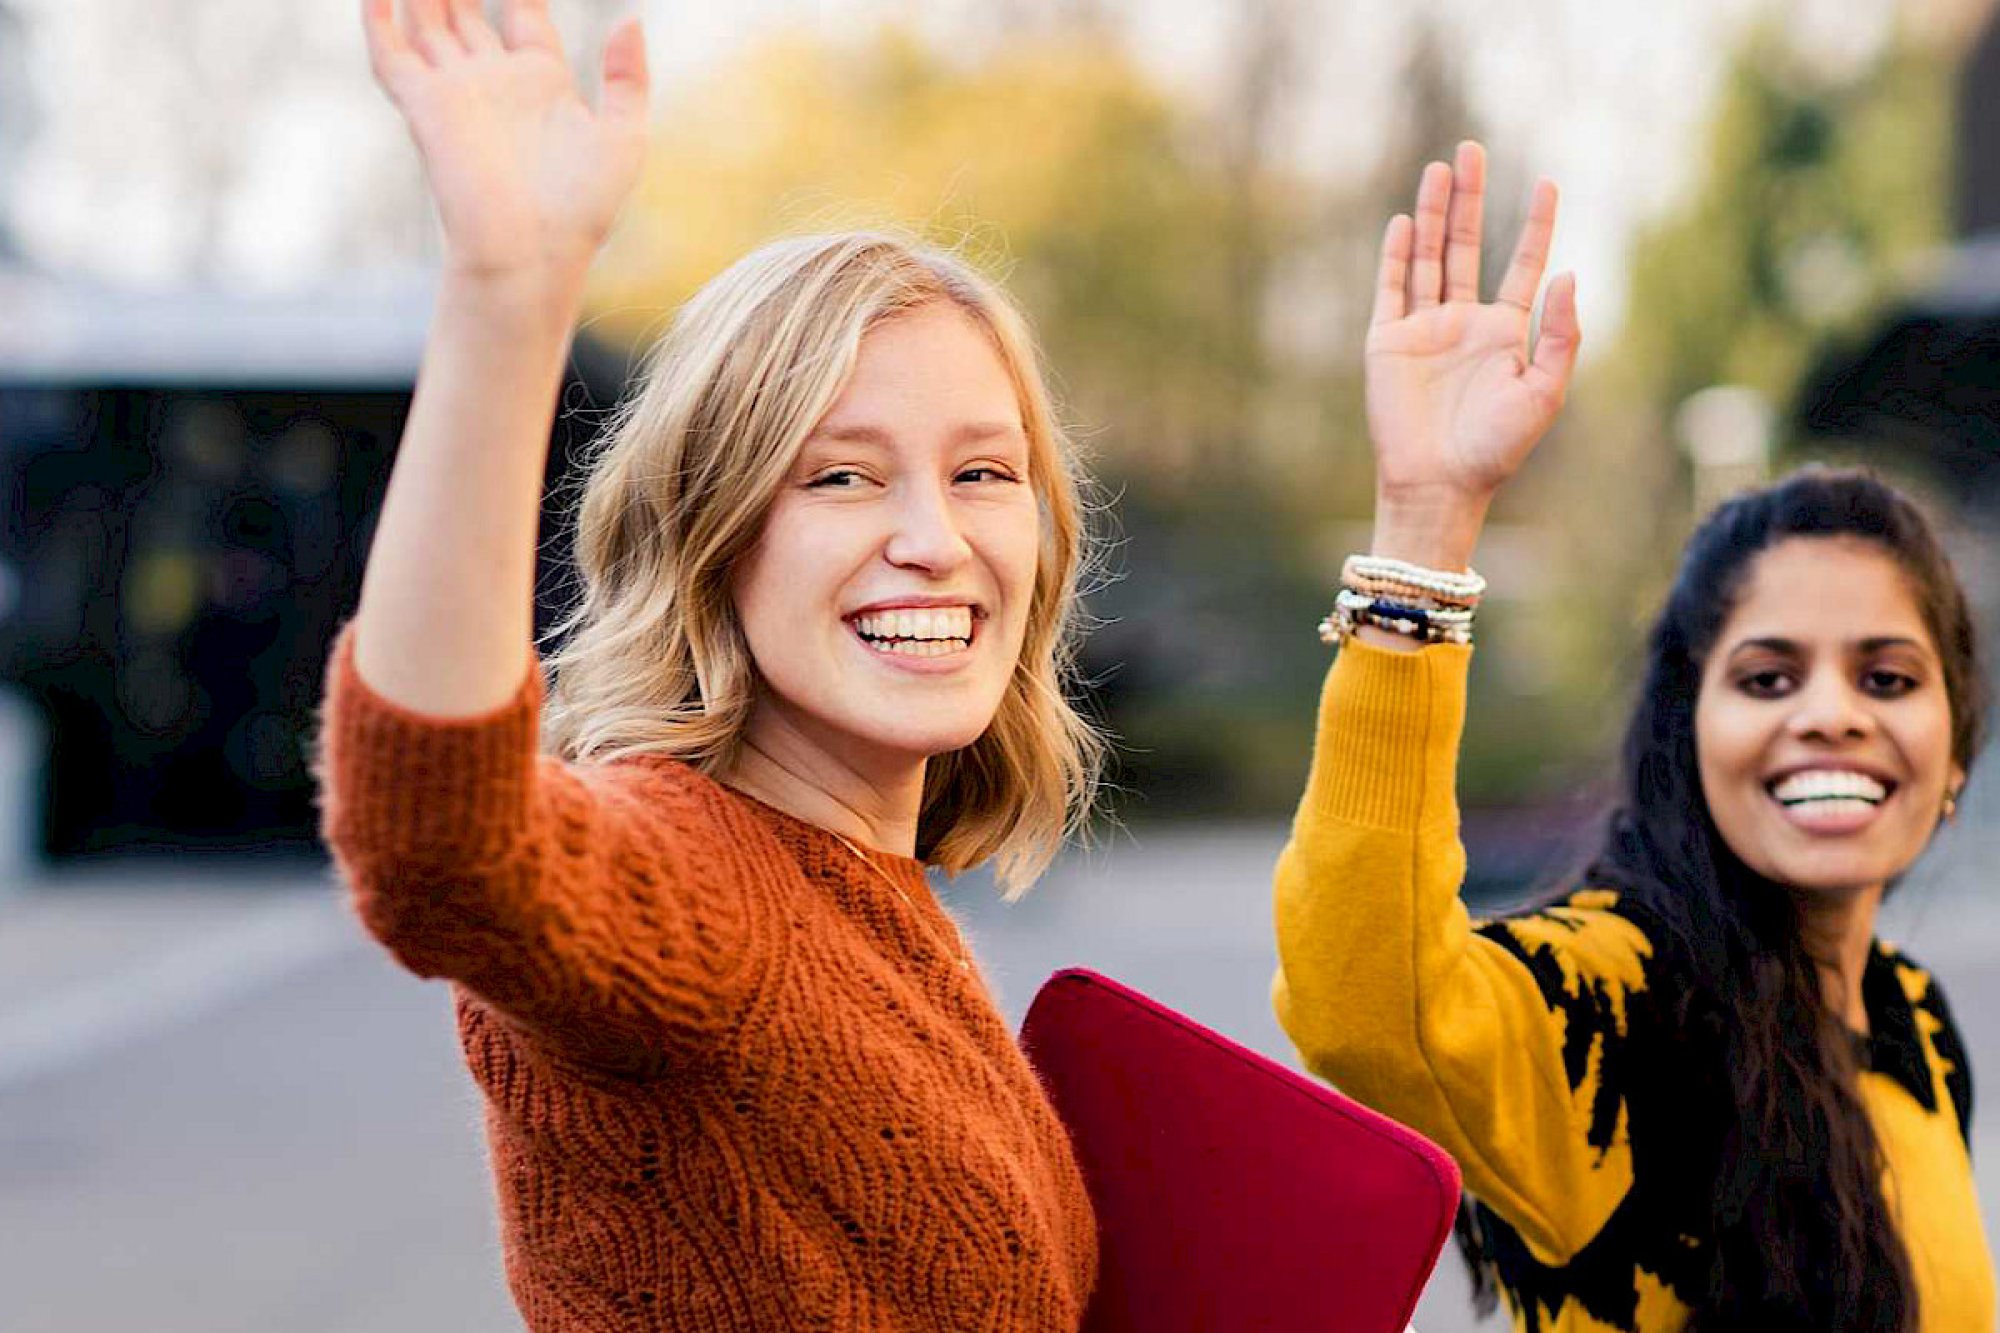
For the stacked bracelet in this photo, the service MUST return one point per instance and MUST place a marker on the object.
(1360, 602)
(1414, 621)
(1430, 605)
(1440, 585)
(1397, 591)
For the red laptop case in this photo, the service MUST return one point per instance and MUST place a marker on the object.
(1232, 1193)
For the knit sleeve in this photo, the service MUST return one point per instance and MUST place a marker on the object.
(606, 916)
(1503, 1043)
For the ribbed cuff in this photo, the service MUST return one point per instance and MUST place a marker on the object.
(1386, 754)
(400, 783)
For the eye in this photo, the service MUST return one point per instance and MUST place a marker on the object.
(1887, 683)
(1765, 684)
(841, 479)
(983, 472)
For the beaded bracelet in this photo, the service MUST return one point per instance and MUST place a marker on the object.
(1340, 626)
(1466, 582)
(1397, 591)
(1359, 602)
(1459, 588)
(1428, 624)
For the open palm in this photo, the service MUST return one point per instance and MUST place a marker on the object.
(1456, 399)
(526, 174)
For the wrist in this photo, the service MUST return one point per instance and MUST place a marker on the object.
(1437, 529)
(543, 292)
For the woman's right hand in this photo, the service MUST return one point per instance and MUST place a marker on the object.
(528, 177)
(1456, 401)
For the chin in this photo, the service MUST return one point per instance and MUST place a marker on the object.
(925, 737)
(927, 727)
(1835, 879)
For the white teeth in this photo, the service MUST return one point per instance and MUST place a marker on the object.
(1829, 784)
(948, 627)
(1835, 805)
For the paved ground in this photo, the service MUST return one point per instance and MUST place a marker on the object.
(223, 1111)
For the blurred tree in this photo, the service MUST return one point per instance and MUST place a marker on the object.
(1052, 160)
(1818, 192)
(1323, 284)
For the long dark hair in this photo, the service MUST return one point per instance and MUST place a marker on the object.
(1783, 1162)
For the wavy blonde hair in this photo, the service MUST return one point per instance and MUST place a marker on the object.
(653, 659)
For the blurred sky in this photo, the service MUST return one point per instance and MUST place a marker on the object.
(235, 137)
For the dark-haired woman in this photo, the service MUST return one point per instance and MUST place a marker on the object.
(1696, 1092)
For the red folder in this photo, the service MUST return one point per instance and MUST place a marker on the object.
(1232, 1193)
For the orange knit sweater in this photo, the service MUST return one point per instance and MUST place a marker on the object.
(733, 1080)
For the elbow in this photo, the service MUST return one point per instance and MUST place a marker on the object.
(390, 924)
(421, 919)
(1330, 1048)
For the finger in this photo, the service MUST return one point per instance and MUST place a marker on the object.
(1531, 252)
(526, 23)
(1392, 300)
(1462, 228)
(429, 30)
(468, 20)
(1561, 335)
(389, 51)
(626, 77)
(1427, 262)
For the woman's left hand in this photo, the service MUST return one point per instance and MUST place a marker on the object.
(1456, 400)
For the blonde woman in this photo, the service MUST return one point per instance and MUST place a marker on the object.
(740, 1071)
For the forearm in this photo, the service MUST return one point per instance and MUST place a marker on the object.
(1373, 864)
(445, 624)
(1383, 986)
(584, 902)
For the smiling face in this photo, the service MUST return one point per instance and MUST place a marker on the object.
(887, 595)
(1823, 728)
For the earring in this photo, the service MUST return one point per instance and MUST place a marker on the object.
(1950, 804)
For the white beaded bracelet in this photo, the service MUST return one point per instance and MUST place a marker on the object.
(1464, 588)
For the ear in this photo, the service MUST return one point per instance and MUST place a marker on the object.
(1954, 783)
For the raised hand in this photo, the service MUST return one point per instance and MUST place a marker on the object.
(528, 177)
(1456, 399)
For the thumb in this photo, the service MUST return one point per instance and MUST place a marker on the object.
(626, 78)
(1555, 348)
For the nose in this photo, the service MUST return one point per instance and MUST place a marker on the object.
(1829, 708)
(927, 533)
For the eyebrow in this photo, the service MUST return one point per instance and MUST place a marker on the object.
(970, 433)
(1793, 648)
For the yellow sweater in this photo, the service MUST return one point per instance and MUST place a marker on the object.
(1508, 1042)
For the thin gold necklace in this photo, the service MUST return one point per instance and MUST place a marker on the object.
(964, 961)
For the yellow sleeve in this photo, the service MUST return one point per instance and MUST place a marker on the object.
(1503, 1042)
